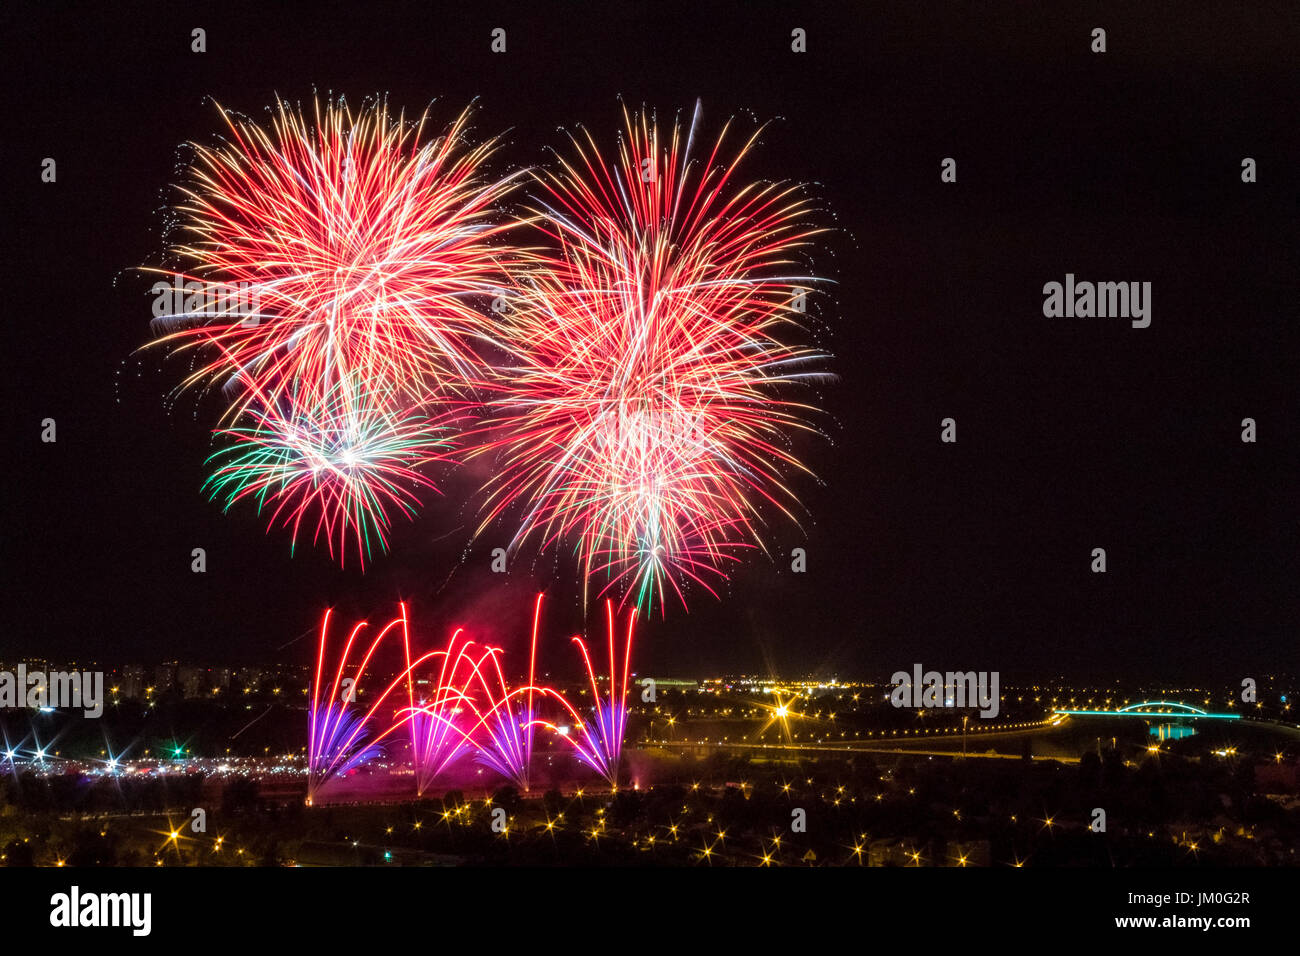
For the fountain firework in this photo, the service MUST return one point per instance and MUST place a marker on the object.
(471, 709)
(598, 742)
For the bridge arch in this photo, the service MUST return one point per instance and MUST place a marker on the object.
(1177, 708)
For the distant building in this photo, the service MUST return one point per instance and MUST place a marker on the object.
(250, 677)
(164, 678)
(132, 682)
(193, 681)
(673, 683)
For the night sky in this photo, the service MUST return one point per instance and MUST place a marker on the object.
(1072, 433)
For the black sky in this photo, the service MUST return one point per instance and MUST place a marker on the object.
(1073, 433)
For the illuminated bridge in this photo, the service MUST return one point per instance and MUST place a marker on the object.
(1153, 708)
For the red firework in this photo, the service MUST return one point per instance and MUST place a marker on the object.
(644, 423)
(454, 701)
(358, 247)
(339, 268)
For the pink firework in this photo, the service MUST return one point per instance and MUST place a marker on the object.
(598, 741)
(338, 271)
(474, 707)
(471, 708)
(338, 469)
(343, 732)
(358, 246)
(644, 423)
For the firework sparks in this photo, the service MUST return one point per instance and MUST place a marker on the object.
(643, 421)
(472, 707)
(342, 734)
(599, 742)
(362, 242)
(437, 737)
(506, 719)
(360, 252)
(342, 467)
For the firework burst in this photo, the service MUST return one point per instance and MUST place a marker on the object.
(362, 242)
(465, 705)
(643, 423)
(474, 707)
(506, 717)
(598, 742)
(342, 732)
(337, 268)
(437, 734)
(339, 468)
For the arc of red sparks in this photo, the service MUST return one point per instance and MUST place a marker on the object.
(499, 721)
